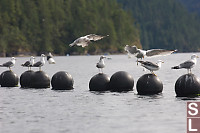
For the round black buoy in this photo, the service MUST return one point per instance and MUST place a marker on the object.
(62, 81)
(149, 84)
(9, 79)
(40, 80)
(99, 82)
(187, 85)
(121, 81)
(26, 79)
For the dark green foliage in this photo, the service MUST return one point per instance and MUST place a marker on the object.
(192, 5)
(165, 24)
(38, 26)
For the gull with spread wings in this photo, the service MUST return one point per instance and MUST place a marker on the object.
(140, 54)
(86, 40)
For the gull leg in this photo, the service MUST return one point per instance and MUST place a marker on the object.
(153, 73)
(99, 70)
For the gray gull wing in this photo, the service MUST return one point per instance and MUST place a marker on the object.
(27, 64)
(131, 49)
(154, 52)
(8, 64)
(94, 37)
(82, 41)
(38, 64)
(187, 64)
(147, 63)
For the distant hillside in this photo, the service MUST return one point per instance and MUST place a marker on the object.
(192, 5)
(39, 26)
(165, 24)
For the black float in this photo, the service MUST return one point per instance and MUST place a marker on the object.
(149, 84)
(9, 79)
(99, 82)
(26, 79)
(121, 81)
(40, 80)
(62, 81)
(187, 85)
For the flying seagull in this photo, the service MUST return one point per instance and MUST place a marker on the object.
(140, 54)
(151, 66)
(40, 63)
(100, 65)
(9, 64)
(86, 40)
(29, 63)
(50, 59)
(189, 64)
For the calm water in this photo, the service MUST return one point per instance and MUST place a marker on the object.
(82, 111)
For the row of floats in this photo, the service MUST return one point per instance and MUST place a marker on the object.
(121, 81)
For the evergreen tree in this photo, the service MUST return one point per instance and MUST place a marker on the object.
(39, 26)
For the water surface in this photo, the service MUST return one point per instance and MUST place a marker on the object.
(82, 111)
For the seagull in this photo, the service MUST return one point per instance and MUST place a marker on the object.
(50, 59)
(151, 66)
(29, 63)
(40, 63)
(100, 65)
(189, 64)
(9, 64)
(140, 54)
(85, 40)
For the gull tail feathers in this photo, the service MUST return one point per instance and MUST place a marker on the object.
(140, 61)
(175, 67)
(106, 36)
(175, 50)
(72, 44)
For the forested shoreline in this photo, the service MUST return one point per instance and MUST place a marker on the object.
(40, 26)
(165, 24)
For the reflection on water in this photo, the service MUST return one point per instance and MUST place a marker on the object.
(82, 111)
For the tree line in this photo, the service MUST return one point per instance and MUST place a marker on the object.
(165, 24)
(38, 26)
